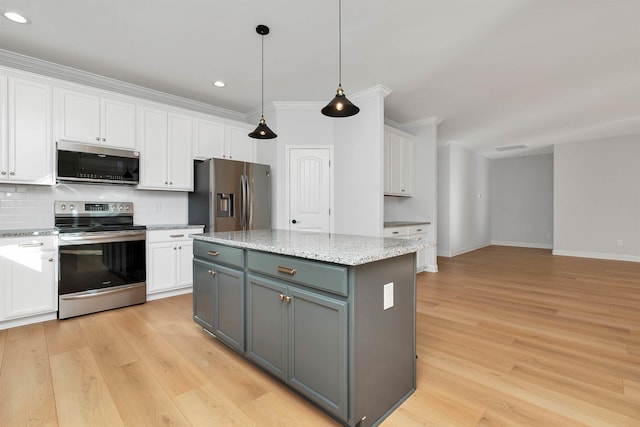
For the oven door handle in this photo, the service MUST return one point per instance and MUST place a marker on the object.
(101, 237)
(98, 293)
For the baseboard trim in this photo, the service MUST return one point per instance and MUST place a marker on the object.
(596, 255)
(522, 245)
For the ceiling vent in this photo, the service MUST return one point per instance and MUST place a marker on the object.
(511, 147)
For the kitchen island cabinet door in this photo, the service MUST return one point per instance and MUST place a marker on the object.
(318, 349)
(229, 306)
(203, 294)
(266, 322)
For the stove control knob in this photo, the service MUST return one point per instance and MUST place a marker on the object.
(71, 207)
(128, 207)
(120, 207)
(113, 207)
(63, 207)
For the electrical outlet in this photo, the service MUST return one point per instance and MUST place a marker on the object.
(388, 296)
(620, 243)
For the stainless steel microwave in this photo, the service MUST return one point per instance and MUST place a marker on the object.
(83, 163)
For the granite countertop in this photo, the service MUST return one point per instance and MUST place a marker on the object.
(404, 223)
(155, 227)
(29, 232)
(335, 248)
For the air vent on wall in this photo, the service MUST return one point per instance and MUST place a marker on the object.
(511, 147)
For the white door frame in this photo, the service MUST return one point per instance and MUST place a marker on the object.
(331, 179)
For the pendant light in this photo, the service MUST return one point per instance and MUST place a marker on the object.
(262, 131)
(340, 106)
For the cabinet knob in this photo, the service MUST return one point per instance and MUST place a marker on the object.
(179, 247)
(293, 221)
(174, 248)
(50, 259)
(171, 183)
(281, 297)
(166, 182)
(104, 139)
(12, 173)
(98, 138)
(3, 173)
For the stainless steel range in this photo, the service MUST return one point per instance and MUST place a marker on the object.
(102, 257)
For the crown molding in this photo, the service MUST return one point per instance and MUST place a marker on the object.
(375, 90)
(61, 72)
(434, 120)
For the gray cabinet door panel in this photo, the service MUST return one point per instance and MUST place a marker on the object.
(203, 294)
(318, 349)
(229, 316)
(266, 320)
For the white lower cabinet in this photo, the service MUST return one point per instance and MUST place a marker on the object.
(425, 258)
(169, 262)
(28, 278)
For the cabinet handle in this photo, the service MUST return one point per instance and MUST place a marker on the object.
(31, 245)
(212, 273)
(213, 253)
(281, 297)
(176, 235)
(4, 173)
(395, 232)
(50, 259)
(12, 173)
(286, 270)
(419, 230)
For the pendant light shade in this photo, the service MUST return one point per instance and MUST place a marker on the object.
(262, 131)
(340, 106)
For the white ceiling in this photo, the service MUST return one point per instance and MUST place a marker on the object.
(499, 72)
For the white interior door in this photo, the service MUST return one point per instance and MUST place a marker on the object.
(310, 188)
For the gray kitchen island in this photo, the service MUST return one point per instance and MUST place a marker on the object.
(332, 316)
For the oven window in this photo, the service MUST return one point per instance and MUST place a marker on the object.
(101, 265)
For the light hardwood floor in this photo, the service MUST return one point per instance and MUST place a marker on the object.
(506, 337)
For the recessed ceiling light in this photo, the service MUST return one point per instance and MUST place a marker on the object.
(16, 17)
(219, 83)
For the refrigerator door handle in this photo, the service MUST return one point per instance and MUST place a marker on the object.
(243, 203)
(247, 191)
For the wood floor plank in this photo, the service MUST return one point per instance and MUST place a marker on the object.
(169, 366)
(208, 405)
(26, 389)
(81, 394)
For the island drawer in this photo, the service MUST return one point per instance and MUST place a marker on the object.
(213, 252)
(327, 277)
(154, 236)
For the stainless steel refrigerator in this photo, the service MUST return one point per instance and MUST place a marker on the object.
(230, 195)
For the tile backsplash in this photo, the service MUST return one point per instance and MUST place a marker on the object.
(31, 206)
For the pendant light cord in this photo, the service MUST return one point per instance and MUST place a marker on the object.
(339, 42)
(262, 77)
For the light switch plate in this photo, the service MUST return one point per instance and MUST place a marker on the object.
(388, 296)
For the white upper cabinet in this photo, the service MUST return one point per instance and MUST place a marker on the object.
(26, 147)
(166, 162)
(208, 139)
(95, 119)
(398, 163)
(239, 145)
(223, 140)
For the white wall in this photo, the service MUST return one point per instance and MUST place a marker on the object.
(31, 206)
(358, 156)
(444, 200)
(469, 201)
(596, 198)
(522, 201)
